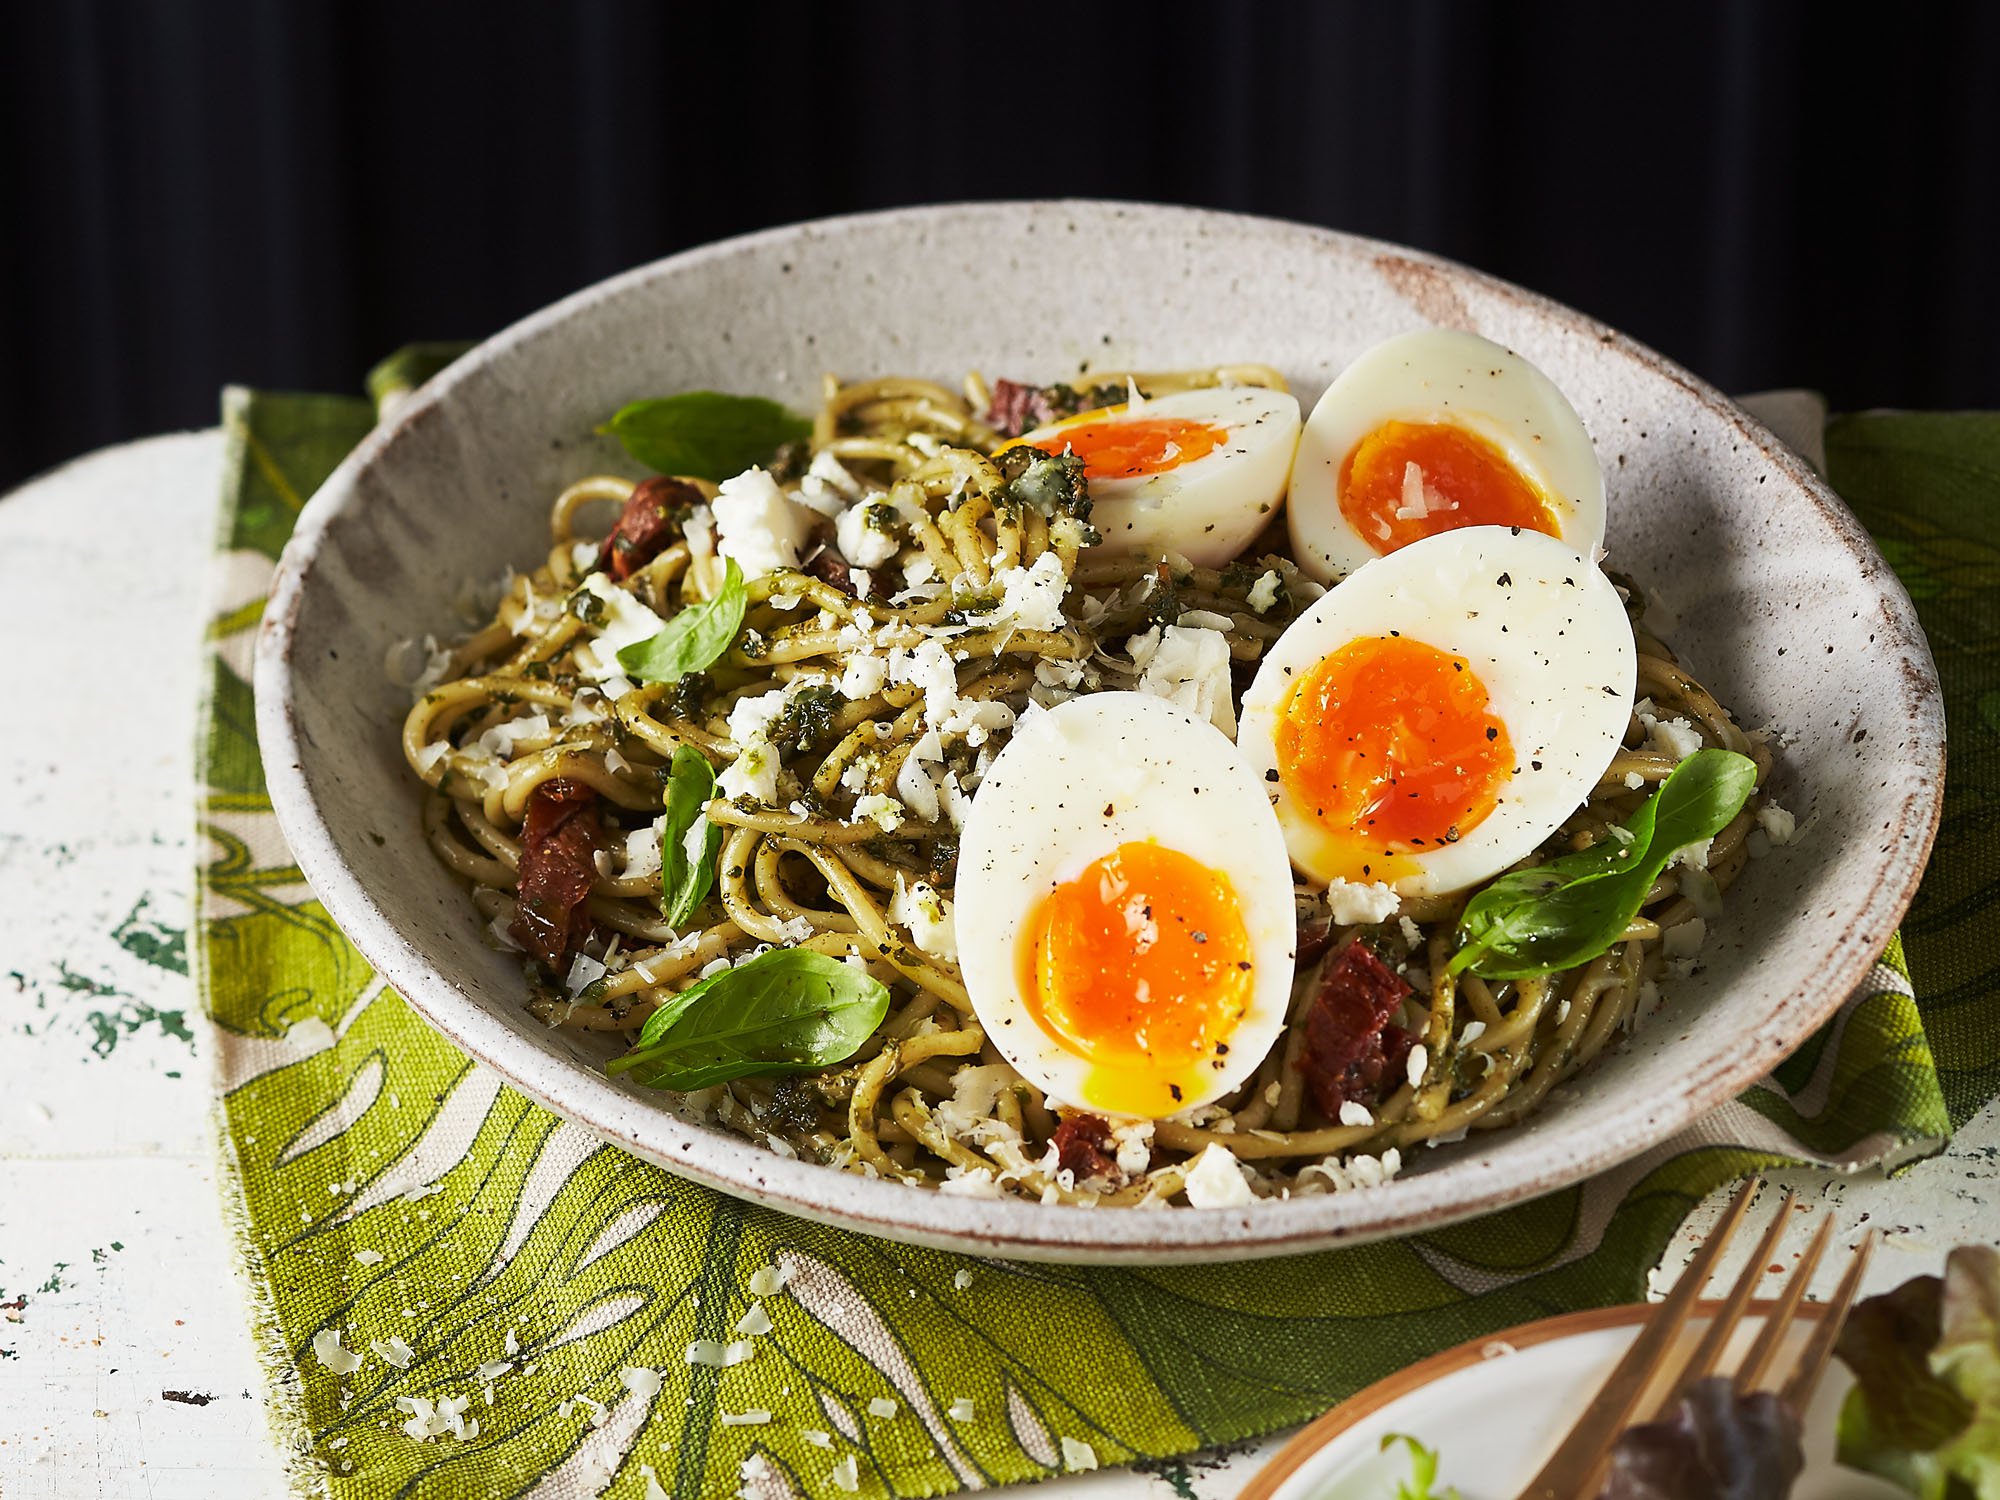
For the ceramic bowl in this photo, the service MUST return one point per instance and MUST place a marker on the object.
(1765, 582)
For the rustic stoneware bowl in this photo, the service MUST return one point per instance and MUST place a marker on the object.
(1768, 585)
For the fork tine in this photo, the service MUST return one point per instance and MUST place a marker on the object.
(1708, 1353)
(1812, 1361)
(1579, 1456)
(1786, 1308)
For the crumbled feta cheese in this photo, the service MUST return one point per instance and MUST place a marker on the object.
(492, 1370)
(817, 1438)
(312, 1033)
(756, 1416)
(326, 1345)
(962, 1279)
(928, 666)
(1473, 1031)
(1188, 667)
(1675, 737)
(1216, 1180)
(1779, 826)
(1133, 1144)
(971, 1182)
(621, 621)
(368, 1257)
(1412, 934)
(1691, 856)
(511, 1345)
(881, 1406)
(865, 541)
(754, 771)
(768, 1281)
(1078, 1457)
(846, 1475)
(879, 808)
(1418, 1064)
(927, 917)
(960, 1410)
(756, 1322)
(834, 474)
(1354, 1113)
(1359, 903)
(1264, 592)
(1343, 1175)
(863, 677)
(759, 525)
(1030, 598)
(714, 1356)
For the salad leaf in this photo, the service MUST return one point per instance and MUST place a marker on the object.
(788, 1010)
(684, 878)
(1568, 911)
(705, 433)
(1423, 1470)
(694, 638)
(1925, 1410)
(1714, 1445)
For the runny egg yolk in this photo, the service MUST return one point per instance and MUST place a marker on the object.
(1408, 480)
(1393, 747)
(1141, 966)
(1122, 447)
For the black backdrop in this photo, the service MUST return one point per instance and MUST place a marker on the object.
(279, 191)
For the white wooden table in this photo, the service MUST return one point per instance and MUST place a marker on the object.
(114, 1269)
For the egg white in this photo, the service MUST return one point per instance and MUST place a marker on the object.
(1441, 375)
(1073, 784)
(1208, 509)
(1539, 624)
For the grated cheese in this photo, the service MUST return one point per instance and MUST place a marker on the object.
(326, 1345)
(1216, 1180)
(758, 524)
(1360, 903)
(881, 1406)
(1078, 1457)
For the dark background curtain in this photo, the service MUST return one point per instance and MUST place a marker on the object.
(280, 191)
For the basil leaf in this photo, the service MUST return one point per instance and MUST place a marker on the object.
(693, 639)
(790, 1010)
(705, 433)
(1570, 910)
(684, 880)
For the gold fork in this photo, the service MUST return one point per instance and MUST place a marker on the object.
(1579, 1461)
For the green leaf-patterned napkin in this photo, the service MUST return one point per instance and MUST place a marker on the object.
(459, 1294)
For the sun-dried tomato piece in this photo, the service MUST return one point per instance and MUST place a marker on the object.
(1351, 1051)
(1083, 1147)
(559, 841)
(648, 525)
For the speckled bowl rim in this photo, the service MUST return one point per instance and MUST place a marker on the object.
(1026, 1230)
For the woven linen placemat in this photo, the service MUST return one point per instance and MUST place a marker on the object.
(521, 1296)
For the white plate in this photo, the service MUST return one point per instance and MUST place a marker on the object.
(1763, 578)
(1495, 1409)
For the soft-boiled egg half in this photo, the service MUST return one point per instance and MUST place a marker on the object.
(1199, 472)
(1434, 718)
(1124, 907)
(1431, 432)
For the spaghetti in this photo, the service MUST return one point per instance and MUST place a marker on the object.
(928, 1099)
